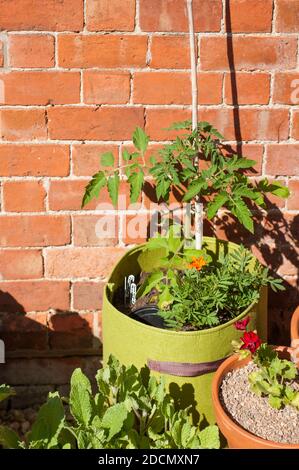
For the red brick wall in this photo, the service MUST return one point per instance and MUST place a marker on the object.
(76, 78)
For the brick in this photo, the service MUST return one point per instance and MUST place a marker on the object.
(293, 200)
(86, 158)
(34, 160)
(249, 53)
(24, 331)
(164, 52)
(24, 196)
(48, 371)
(55, 15)
(286, 88)
(135, 228)
(110, 15)
(95, 230)
(37, 230)
(175, 88)
(83, 123)
(255, 124)
(249, 16)
(81, 262)
(75, 50)
(251, 151)
(247, 88)
(40, 88)
(171, 15)
(287, 16)
(21, 264)
(31, 50)
(22, 124)
(282, 159)
(106, 87)
(88, 295)
(33, 296)
(1, 54)
(70, 330)
(295, 129)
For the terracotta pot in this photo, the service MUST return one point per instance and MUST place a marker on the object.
(236, 436)
(295, 326)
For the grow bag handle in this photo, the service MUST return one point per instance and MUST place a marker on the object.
(184, 369)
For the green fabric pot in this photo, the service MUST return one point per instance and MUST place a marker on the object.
(133, 342)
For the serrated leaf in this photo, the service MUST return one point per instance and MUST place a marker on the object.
(113, 187)
(80, 398)
(209, 437)
(243, 214)
(8, 438)
(242, 163)
(194, 189)
(136, 182)
(49, 421)
(107, 159)
(114, 418)
(140, 139)
(213, 206)
(180, 125)
(275, 402)
(94, 187)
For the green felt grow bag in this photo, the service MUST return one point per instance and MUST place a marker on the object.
(180, 355)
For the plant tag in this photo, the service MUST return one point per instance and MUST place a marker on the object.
(133, 291)
(127, 288)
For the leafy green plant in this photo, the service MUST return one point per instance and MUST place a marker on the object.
(197, 296)
(273, 377)
(131, 410)
(218, 177)
(5, 392)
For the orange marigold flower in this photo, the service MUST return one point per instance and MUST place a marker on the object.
(197, 263)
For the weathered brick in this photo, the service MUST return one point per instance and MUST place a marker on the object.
(83, 123)
(21, 264)
(40, 88)
(86, 158)
(287, 16)
(249, 16)
(1, 54)
(75, 50)
(34, 160)
(247, 88)
(174, 88)
(70, 330)
(158, 120)
(164, 52)
(286, 88)
(295, 130)
(135, 228)
(293, 200)
(106, 87)
(249, 53)
(95, 230)
(55, 15)
(110, 15)
(24, 196)
(31, 50)
(88, 295)
(34, 230)
(282, 159)
(22, 124)
(81, 262)
(23, 331)
(171, 15)
(20, 296)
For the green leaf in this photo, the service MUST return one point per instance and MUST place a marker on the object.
(136, 183)
(180, 125)
(5, 392)
(140, 139)
(194, 189)
(49, 421)
(113, 187)
(114, 419)
(126, 155)
(209, 437)
(94, 187)
(8, 438)
(218, 201)
(80, 398)
(150, 282)
(107, 159)
(243, 214)
(242, 163)
(150, 260)
(279, 190)
(275, 402)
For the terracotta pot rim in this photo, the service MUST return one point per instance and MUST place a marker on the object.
(295, 325)
(236, 428)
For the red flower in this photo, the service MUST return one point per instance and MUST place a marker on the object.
(251, 341)
(242, 324)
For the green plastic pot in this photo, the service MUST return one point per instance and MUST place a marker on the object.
(187, 359)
